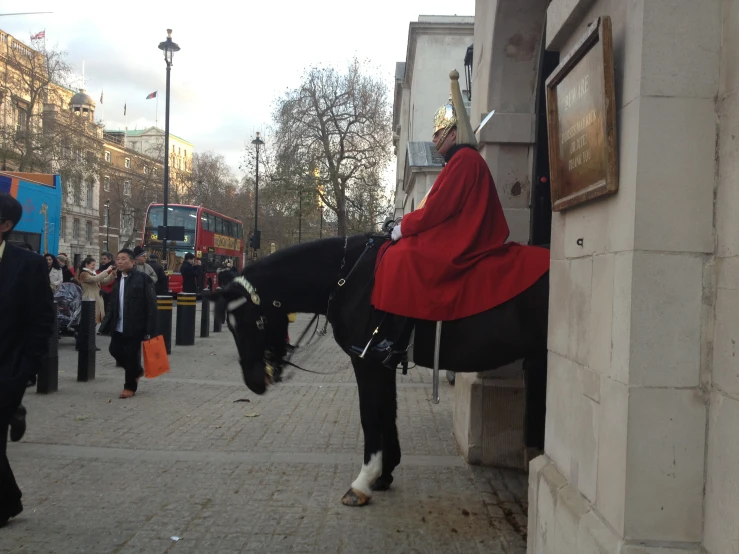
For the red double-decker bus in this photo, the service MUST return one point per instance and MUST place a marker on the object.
(211, 237)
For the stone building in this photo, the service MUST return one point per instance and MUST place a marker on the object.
(133, 177)
(643, 380)
(421, 86)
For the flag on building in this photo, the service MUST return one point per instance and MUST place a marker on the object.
(152, 95)
(124, 109)
(40, 35)
(101, 96)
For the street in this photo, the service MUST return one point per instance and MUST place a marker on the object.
(197, 463)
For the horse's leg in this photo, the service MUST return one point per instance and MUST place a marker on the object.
(369, 386)
(390, 442)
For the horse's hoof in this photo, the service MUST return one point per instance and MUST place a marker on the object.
(382, 484)
(355, 498)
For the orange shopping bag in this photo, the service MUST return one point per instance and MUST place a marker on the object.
(155, 357)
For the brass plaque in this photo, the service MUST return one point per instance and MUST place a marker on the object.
(581, 120)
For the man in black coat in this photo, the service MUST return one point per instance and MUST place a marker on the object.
(162, 284)
(26, 325)
(131, 318)
(189, 277)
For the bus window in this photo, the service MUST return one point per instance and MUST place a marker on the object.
(239, 231)
(219, 225)
(211, 223)
(227, 229)
(204, 221)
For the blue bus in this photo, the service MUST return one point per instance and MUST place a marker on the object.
(41, 197)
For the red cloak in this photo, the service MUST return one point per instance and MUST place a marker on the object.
(452, 260)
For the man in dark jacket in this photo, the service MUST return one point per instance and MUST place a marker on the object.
(162, 284)
(131, 318)
(189, 280)
(26, 325)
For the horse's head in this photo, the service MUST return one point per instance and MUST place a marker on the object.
(260, 332)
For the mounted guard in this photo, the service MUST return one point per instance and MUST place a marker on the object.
(449, 258)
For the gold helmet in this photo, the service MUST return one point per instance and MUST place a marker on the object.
(454, 114)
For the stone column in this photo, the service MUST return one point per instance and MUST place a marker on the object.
(630, 307)
(507, 48)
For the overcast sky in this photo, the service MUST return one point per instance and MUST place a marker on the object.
(236, 57)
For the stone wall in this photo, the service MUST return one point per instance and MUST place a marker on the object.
(631, 308)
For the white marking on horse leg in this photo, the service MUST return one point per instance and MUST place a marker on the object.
(369, 474)
(234, 304)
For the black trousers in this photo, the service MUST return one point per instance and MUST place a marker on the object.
(11, 394)
(127, 353)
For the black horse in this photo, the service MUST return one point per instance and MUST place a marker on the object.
(334, 277)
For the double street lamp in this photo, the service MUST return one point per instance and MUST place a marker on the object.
(169, 48)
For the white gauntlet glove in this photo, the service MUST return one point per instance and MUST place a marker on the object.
(396, 235)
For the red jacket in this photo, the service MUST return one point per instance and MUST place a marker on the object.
(453, 260)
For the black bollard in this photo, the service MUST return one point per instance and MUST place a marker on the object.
(86, 342)
(205, 315)
(185, 332)
(164, 319)
(48, 376)
(218, 311)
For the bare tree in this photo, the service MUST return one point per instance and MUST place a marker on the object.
(336, 127)
(212, 183)
(30, 78)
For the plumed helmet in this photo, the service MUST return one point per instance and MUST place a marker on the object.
(454, 114)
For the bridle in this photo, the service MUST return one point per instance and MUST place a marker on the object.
(273, 361)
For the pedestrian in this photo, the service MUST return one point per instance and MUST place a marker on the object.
(140, 258)
(162, 283)
(131, 318)
(55, 271)
(67, 274)
(91, 283)
(106, 260)
(188, 274)
(27, 322)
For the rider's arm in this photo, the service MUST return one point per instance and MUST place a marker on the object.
(446, 199)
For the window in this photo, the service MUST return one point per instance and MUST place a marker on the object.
(106, 221)
(127, 163)
(88, 231)
(63, 228)
(78, 155)
(21, 119)
(204, 221)
(179, 151)
(90, 156)
(106, 183)
(90, 193)
(219, 225)
(186, 153)
(75, 228)
(126, 188)
(211, 223)
(146, 170)
(126, 222)
(107, 156)
(77, 185)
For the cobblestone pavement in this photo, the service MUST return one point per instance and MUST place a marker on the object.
(185, 466)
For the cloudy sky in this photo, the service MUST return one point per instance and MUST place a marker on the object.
(235, 58)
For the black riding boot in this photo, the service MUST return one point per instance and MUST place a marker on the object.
(389, 341)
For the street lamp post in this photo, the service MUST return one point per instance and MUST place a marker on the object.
(169, 48)
(107, 225)
(257, 142)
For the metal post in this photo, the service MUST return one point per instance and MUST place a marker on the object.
(256, 196)
(86, 342)
(48, 376)
(185, 332)
(107, 227)
(218, 311)
(205, 315)
(320, 229)
(437, 348)
(166, 172)
(164, 319)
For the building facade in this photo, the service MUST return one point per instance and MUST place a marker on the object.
(421, 87)
(132, 173)
(643, 380)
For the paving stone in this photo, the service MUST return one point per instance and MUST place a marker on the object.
(184, 459)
